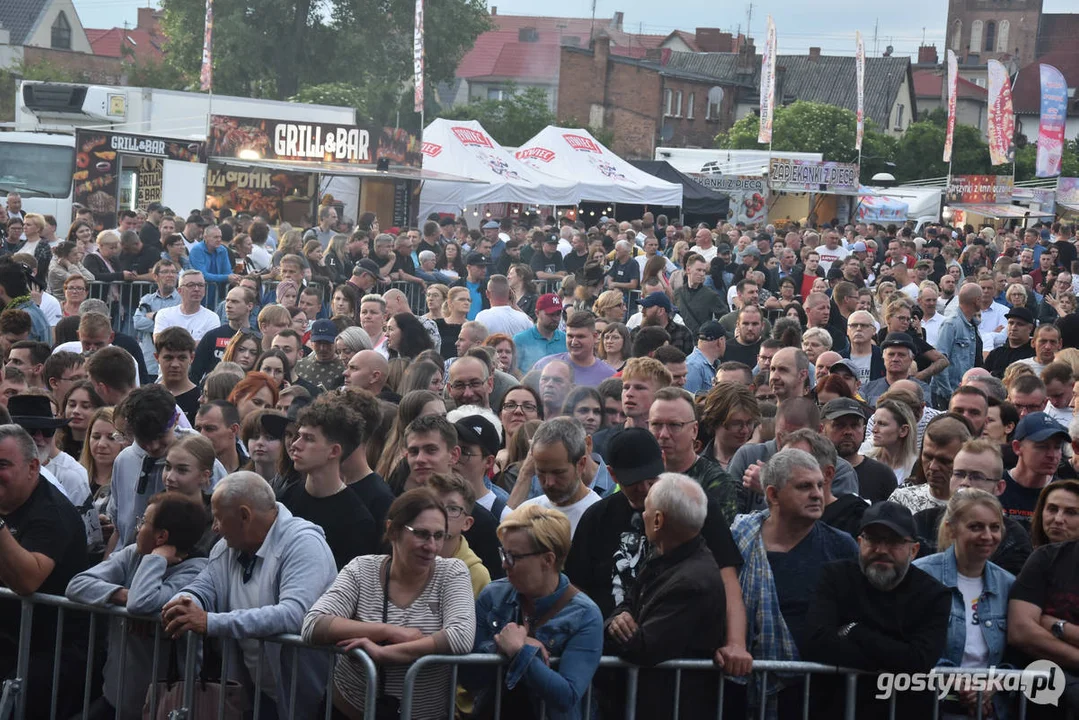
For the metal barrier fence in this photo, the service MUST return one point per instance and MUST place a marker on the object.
(13, 699)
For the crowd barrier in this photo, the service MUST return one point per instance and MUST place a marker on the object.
(13, 699)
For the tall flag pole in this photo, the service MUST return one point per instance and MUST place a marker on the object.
(859, 65)
(1054, 108)
(206, 74)
(953, 87)
(768, 86)
(1001, 116)
(417, 60)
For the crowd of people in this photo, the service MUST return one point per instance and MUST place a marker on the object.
(848, 444)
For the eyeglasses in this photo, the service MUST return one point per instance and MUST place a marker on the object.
(454, 511)
(510, 559)
(673, 427)
(523, 407)
(193, 285)
(884, 542)
(468, 454)
(426, 535)
(974, 477)
(470, 385)
(139, 522)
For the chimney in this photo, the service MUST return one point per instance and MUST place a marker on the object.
(618, 18)
(712, 40)
(494, 9)
(601, 47)
(927, 55)
(147, 19)
(748, 61)
(814, 54)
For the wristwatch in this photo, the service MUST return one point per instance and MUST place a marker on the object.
(1058, 629)
(3, 524)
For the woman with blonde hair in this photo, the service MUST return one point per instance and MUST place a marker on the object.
(337, 261)
(895, 438)
(1015, 371)
(436, 296)
(610, 305)
(454, 314)
(34, 229)
(970, 532)
(505, 353)
(67, 263)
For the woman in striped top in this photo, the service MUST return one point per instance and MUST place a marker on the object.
(398, 608)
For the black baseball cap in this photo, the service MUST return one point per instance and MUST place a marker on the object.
(475, 258)
(891, 515)
(366, 266)
(712, 330)
(478, 430)
(841, 407)
(898, 339)
(633, 455)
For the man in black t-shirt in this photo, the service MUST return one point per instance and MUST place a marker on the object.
(355, 470)
(576, 258)
(547, 263)
(1043, 617)
(625, 272)
(844, 424)
(326, 433)
(42, 546)
(1039, 442)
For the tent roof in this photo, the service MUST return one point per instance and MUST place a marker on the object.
(464, 148)
(599, 175)
(696, 198)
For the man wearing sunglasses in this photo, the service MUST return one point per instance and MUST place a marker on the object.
(34, 414)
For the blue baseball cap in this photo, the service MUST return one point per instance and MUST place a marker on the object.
(323, 331)
(657, 298)
(1038, 427)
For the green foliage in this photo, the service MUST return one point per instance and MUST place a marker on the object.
(283, 48)
(155, 75)
(511, 121)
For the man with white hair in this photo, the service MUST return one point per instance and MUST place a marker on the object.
(263, 576)
(677, 607)
(863, 354)
(502, 316)
(625, 274)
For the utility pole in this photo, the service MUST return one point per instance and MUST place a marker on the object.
(592, 29)
(749, 20)
(876, 45)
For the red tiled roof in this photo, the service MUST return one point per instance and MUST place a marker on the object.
(108, 43)
(1026, 87)
(500, 53)
(927, 84)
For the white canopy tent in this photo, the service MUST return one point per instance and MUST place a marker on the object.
(598, 174)
(464, 148)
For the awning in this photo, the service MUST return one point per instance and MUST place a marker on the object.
(1002, 211)
(1069, 207)
(396, 172)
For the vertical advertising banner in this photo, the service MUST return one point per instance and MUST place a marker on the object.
(1051, 127)
(417, 57)
(859, 65)
(1001, 116)
(206, 74)
(768, 85)
(953, 88)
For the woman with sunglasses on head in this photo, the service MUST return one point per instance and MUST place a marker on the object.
(397, 608)
(532, 615)
(970, 532)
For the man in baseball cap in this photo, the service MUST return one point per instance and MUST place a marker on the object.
(365, 275)
(547, 263)
(544, 338)
(479, 435)
(322, 368)
(880, 600)
(703, 362)
(1038, 442)
(657, 310)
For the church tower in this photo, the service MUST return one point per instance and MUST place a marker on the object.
(1005, 30)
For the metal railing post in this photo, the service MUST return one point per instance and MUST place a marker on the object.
(185, 711)
(22, 663)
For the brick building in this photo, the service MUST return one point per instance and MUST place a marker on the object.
(643, 102)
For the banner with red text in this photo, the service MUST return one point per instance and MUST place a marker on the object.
(768, 85)
(953, 88)
(1054, 110)
(1001, 116)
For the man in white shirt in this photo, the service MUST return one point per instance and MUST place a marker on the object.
(189, 314)
(502, 317)
(903, 281)
(993, 322)
(34, 414)
(705, 245)
(931, 319)
(831, 251)
(651, 250)
(560, 453)
(1046, 345)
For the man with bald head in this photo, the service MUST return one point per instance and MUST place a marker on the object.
(959, 341)
(396, 302)
(825, 361)
(368, 370)
(555, 382)
(788, 374)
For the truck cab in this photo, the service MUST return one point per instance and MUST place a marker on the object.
(39, 166)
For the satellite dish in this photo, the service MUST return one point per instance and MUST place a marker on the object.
(715, 96)
(666, 133)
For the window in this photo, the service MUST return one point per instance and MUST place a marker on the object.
(957, 35)
(714, 104)
(689, 106)
(1002, 36)
(678, 103)
(990, 36)
(61, 32)
(899, 116)
(976, 36)
(669, 102)
(494, 93)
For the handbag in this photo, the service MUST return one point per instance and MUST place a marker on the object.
(387, 707)
(207, 698)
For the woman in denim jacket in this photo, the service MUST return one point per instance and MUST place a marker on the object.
(533, 615)
(970, 532)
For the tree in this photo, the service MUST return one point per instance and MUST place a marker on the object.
(276, 48)
(815, 127)
(513, 120)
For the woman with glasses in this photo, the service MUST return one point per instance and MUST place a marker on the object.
(67, 263)
(614, 345)
(532, 615)
(436, 295)
(75, 291)
(397, 608)
(176, 251)
(970, 532)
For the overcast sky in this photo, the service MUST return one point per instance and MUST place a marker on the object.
(828, 24)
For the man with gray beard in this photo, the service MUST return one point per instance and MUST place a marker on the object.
(879, 614)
